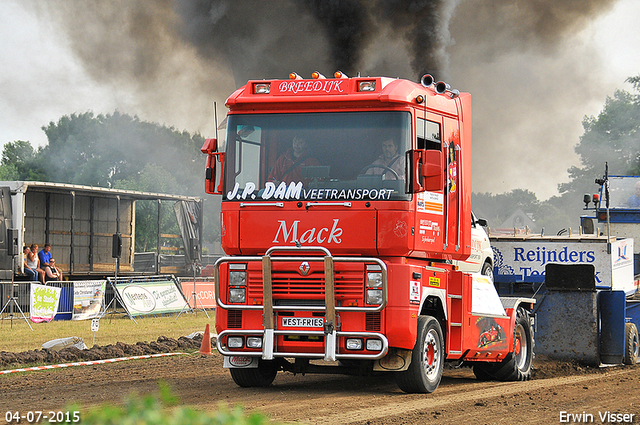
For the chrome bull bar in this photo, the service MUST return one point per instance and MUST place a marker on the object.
(330, 332)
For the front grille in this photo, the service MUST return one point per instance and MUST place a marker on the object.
(313, 303)
(373, 321)
(288, 284)
(234, 319)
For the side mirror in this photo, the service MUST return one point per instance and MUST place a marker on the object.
(213, 173)
(209, 146)
(426, 170)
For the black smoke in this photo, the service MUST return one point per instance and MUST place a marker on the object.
(525, 63)
(259, 39)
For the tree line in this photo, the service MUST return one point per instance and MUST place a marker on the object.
(117, 151)
(613, 136)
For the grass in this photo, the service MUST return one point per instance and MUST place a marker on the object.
(15, 335)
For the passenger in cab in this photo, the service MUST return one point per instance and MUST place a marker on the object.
(288, 168)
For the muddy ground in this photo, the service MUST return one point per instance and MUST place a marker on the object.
(201, 382)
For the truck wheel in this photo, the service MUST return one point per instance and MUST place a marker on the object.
(262, 376)
(427, 359)
(482, 372)
(518, 364)
(630, 344)
(487, 270)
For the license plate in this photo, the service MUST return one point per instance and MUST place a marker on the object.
(303, 322)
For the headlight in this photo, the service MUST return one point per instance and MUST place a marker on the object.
(261, 88)
(374, 296)
(235, 342)
(237, 278)
(374, 345)
(374, 280)
(354, 344)
(366, 85)
(254, 342)
(237, 295)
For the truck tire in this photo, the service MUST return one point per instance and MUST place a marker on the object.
(518, 364)
(427, 359)
(487, 270)
(630, 344)
(482, 372)
(262, 376)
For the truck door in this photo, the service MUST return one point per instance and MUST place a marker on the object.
(430, 205)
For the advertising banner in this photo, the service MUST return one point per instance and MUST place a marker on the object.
(205, 291)
(88, 299)
(525, 260)
(157, 297)
(44, 302)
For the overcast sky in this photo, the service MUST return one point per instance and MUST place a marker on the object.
(42, 78)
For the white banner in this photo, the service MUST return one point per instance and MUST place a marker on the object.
(525, 259)
(88, 299)
(151, 297)
(44, 302)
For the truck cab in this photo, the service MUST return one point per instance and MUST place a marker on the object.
(345, 202)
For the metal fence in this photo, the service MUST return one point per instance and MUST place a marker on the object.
(145, 262)
(21, 295)
(18, 294)
(204, 290)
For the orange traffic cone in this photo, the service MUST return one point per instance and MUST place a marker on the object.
(205, 347)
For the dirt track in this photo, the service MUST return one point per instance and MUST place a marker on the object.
(200, 381)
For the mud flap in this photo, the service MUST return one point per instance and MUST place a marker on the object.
(396, 360)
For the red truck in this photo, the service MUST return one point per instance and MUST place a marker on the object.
(345, 203)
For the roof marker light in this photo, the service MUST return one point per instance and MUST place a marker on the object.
(317, 76)
(419, 99)
(294, 76)
(339, 74)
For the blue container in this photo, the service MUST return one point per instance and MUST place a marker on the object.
(65, 306)
(633, 312)
(611, 309)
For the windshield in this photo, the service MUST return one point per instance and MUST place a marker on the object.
(340, 156)
(624, 192)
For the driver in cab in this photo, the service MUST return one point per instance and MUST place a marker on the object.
(390, 164)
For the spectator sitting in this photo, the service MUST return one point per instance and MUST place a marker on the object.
(52, 272)
(45, 256)
(30, 266)
(34, 258)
